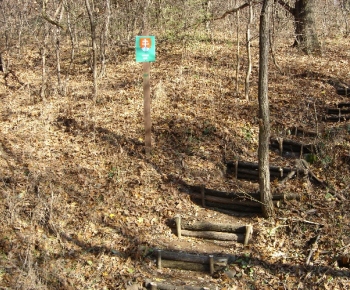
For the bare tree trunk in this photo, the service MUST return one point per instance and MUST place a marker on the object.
(345, 9)
(272, 40)
(208, 15)
(91, 12)
(305, 28)
(59, 12)
(238, 52)
(2, 67)
(56, 21)
(264, 114)
(43, 90)
(104, 38)
(249, 68)
(72, 51)
(20, 30)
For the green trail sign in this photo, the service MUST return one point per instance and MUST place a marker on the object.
(145, 48)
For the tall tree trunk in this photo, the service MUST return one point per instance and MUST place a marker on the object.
(304, 22)
(43, 51)
(104, 38)
(71, 30)
(305, 28)
(57, 35)
(345, 9)
(238, 52)
(249, 68)
(93, 24)
(208, 15)
(264, 114)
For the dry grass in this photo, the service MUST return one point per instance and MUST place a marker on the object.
(79, 197)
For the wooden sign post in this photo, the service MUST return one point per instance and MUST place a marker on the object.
(147, 106)
(145, 53)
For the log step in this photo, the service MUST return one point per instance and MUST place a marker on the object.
(212, 231)
(343, 105)
(164, 286)
(249, 170)
(337, 111)
(253, 196)
(191, 261)
(343, 91)
(284, 145)
(297, 131)
(336, 118)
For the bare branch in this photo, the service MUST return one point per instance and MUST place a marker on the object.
(234, 10)
(48, 19)
(286, 6)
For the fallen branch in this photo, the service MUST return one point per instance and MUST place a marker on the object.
(315, 179)
(313, 249)
(302, 221)
(289, 176)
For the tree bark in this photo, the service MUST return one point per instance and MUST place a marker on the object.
(93, 24)
(104, 38)
(238, 53)
(304, 22)
(305, 28)
(264, 114)
(248, 42)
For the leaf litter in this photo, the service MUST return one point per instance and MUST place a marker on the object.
(82, 206)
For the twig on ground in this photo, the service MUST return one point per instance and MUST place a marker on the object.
(312, 250)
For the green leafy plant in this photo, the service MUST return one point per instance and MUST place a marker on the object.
(248, 133)
(112, 172)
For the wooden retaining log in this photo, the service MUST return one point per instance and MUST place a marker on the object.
(343, 105)
(249, 170)
(226, 200)
(337, 111)
(291, 145)
(343, 91)
(188, 261)
(334, 118)
(213, 231)
(238, 195)
(208, 226)
(233, 207)
(163, 286)
(297, 131)
(233, 204)
(186, 266)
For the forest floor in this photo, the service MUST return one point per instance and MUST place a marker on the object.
(82, 207)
